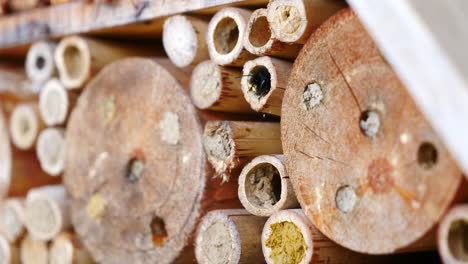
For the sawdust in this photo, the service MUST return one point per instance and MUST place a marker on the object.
(286, 242)
(217, 243)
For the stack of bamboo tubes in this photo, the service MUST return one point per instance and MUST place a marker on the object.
(277, 135)
(17, 6)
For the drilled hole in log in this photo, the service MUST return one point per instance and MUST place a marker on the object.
(345, 199)
(458, 240)
(226, 35)
(260, 81)
(73, 59)
(369, 123)
(40, 62)
(158, 230)
(427, 155)
(263, 185)
(312, 95)
(260, 32)
(135, 168)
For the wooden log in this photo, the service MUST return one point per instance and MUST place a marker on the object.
(264, 83)
(230, 144)
(225, 37)
(264, 186)
(144, 184)
(79, 58)
(229, 237)
(40, 64)
(293, 21)
(33, 251)
(46, 212)
(184, 40)
(218, 88)
(22, 5)
(12, 219)
(261, 41)
(366, 166)
(8, 253)
(25, 125)
(453, 235)
(55, 103)
(50, 150)
(66, 248)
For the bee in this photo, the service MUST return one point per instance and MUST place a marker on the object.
(259, 81)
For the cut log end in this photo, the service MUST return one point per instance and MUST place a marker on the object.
(11, 219)
(54, 103)
(264, 186)
(453, 236)
(33, 251)
(24, 126)
(40, 64)
(73, 61)
(51, 150)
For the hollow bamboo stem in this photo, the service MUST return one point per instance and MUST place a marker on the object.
(50, 150)
(264, 83)
(453, 235)
(46, 212)
(225, 37)
(264, 186)
(229, 144)
(40, 64)
(55, 103)
(218, 88)
(22, 5)
(8, 252)
(13, 80)
(293, 21)
(25, 125)
(260, 40)
(184, 40)
(33, 251)
(229, 237)
(66, 248)
(79, 58)
(11, 219)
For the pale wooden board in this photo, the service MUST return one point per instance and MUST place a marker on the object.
(84, 16)
(426, 42)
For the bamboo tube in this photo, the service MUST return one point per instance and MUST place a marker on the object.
(40, 65)
(294, 20)
(55, 103)
(218, 88)
(225, 37)
(184, 40)
(229, 144)
(5, 158)
(79, 58)
(67, 249)
(58, 2)
(264, 83)
(453, 235)
(25, 125)
(144, 183)
(14, 80)
(22, 5)
(11, 219)
(50, 150)
(347, 115)
(261, 41)
(229, 237)
(33, 251)
(46, 212)
(264, 186)
(8, 253)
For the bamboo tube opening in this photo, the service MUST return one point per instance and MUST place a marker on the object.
(263, 185)
(72, 57)
(5, 157)
(11, 219)
(67, 249)
(40, 64)
(226, 35)
(33, 251)
(288, 19)
(51, 150)
(458, 239)
(259, 81)
(24, 126)
(260, 33)
(218, 144)
(206, 84)
(452, 235)
(53, 103)
(5, 251)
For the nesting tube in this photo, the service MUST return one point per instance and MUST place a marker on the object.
(8, 253)
(260, 40)
(184, 40)
(40, 64)
(66, 248)
(225, 37)
(264, 186)
(22, 5)
(264, 82)
(50, 150)
(46, 212)
(218, 88)
(346, 115)
(55, 103)
(229, 237)
(12, 219)
(230, 144)
(33, 251)
(293, 21)
(25, 125)
(453, 235)
(79, 58)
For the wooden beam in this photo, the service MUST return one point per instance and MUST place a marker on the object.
(426, 45)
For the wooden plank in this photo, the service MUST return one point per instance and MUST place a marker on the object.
(425, 41)
(83, 16)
